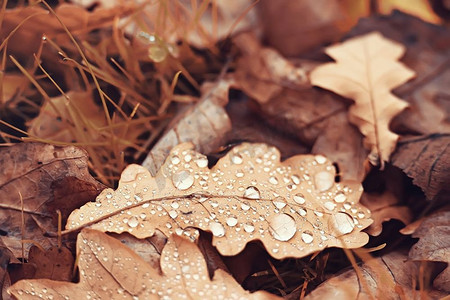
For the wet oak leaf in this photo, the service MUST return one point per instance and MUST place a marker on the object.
(366, 70)
(110, 270)
(295, 207)
(32, 169)
(434, 245)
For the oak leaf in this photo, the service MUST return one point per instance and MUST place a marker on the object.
(110, 270)
(295, 207)
(366, 70)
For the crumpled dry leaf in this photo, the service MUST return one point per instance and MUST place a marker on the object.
(31, 169)
(110, 270)
(295, 207)
(262, 72)
(204, 124)
(434, 245)
(366, 70)
(387, 277)
(425, 159)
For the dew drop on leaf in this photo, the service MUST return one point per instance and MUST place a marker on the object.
(299, 198)
(202, 162)
(248, 227)
(342, 223)
(340, 197)
(282, 227)
(182, 180)
(232, 221)
(133, 222)
(320, 159)
(324, 181)
(307, 237)
(217, 229)
(252, 193)
(236, 159)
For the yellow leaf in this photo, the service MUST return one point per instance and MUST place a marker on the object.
(294, 208)
(110, 270)
(366, 70)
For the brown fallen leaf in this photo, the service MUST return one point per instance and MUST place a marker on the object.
(294, 208)
(425, 159)
(293, 27)
(204, 124)
(110, 270)
(384, 207)
(262, 72)
(366, 70)
(434, 245)
(346, 150)
(30, 169)
(386, 277)
(55, 263)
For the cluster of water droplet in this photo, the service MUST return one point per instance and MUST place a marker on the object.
(294, 207)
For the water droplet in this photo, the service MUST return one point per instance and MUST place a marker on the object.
(245, 206)
(182, 180)
(252, 193)
(320, 159)
(282, 227)
(236, 159)
(133, 222)
(329, 205)
(202, 162)
(340, 197)
(248, 227)
(295, 179)
(273, 180)
(173, 214)
(302, 212)
(187, 158)
(299, 198)
(307, 237)
(279, 202)
(324, 181)
(342, 223)
(232, 221)
(217, 229)
(175, 160)
(175, 205)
